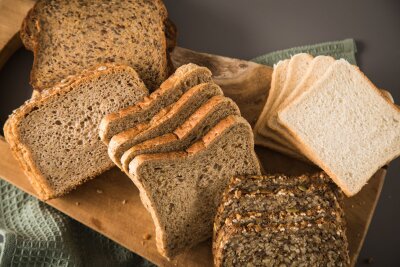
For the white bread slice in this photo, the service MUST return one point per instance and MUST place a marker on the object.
(318, 67)
(297, 69)
(165, 121)
(345, 125)
(54, 136)
(183, 189)
(194, 128)
(184, 78)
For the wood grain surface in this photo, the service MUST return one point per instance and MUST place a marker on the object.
(110, 203)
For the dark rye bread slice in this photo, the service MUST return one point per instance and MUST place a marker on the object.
(183, 199)
(194, 128)
(53, 133)
(70, 36)
(262, 205)
(165, 121)
(184, 78)
(308, 244)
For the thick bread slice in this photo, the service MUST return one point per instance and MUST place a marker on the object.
(52, 134)
(194, 128)
(298, 66)
(182, 189)
(165, 121)
(345, 125)
(70, 36)
(170, 91)
(287, 220)
(318, 67)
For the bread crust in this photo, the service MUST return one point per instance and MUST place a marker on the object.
(23, 153)
(166, 87)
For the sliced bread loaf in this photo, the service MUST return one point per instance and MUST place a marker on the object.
(55, 132)
(70, 36)
(194, 128)
(345, 125)
(165, 121)
(184, 78)
(182, 189)
(274, 220)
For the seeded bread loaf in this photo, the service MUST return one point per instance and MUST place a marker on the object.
(165, 121)
(55, 132)
(194, 128)
(70, 36)
(274, 220)
(345, 125)
(184, 197)
(169, 92)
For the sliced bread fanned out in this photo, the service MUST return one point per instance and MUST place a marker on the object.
(182, 189)
(167, 120)
(70, 36)
(184, 78)
(54, 136)
(194, 128)
(276, 219)
(345, 125)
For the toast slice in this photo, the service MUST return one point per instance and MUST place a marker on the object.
(184, 197)
(53, 133)
(316, 70)
(184, 78)
(345, 125)
(276, 219)
(164, 122)
(70, 36)
(297, 69)
(194, 128)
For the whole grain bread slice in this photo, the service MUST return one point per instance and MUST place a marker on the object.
(184, 78)
(53, 133)
(165, 121)
(70, 36)
(345, 125)
(184, 197)
(194, 128)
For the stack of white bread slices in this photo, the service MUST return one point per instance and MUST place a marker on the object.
(328, 112)
(180, 146)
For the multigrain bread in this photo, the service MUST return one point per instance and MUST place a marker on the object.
(276, 219)
(70, 36)
(184, 78)
(167, 120)
(345, 125)
(184, 197)
(194, 128)
(53, 134)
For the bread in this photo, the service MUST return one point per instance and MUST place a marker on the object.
(53, 134)
(184, 197)
(164, 122)
(169, 92)
(70, 36)
(318, 66)
(194, 128)
(279, 220)
(345, 125)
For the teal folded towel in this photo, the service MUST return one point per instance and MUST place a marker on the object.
(35, 234)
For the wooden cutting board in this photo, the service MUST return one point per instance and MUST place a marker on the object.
(110, 203)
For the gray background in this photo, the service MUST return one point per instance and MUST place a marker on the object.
(246, 29)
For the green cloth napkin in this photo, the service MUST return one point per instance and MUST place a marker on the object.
(35, 234)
